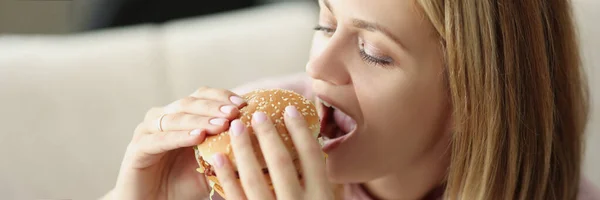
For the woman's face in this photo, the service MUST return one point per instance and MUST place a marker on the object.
(380, 63)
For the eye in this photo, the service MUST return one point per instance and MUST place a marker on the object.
(383, 61)
(326, 30)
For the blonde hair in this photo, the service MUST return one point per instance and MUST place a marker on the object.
(518, 95)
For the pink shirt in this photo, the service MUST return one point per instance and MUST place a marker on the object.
(587, 191)
(354, 192)
(301, 83)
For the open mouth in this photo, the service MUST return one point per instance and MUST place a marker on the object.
(335, 125)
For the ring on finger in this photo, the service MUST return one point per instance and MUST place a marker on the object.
(159, 123)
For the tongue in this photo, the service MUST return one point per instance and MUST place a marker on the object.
(345, 122)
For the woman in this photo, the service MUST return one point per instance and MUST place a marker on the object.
(470, 99)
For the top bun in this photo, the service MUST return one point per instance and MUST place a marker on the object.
(272, 102)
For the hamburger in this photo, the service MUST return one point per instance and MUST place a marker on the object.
(272, 102)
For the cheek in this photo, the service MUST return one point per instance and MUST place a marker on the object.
(406, 119)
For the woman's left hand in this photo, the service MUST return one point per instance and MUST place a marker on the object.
(281, 168)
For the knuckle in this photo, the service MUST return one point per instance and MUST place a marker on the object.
(252, 180)
(140, 128)
(150, 112)
(295, 124)
(198, 120)
(224, 91)
(185, 102)
(172, 120)
(203, 104)
(281, 159)
(311, 148)
(242, 146)
(228, 180)
(159, 138)
(132, 147)
(264, 129)
(139, 132)
(201, 89)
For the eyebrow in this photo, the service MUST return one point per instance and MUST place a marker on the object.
(369, 26)
(328, 5)
(374, 27)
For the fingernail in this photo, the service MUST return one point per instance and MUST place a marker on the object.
(237, 127)
(292, 111)
(227, 109)
(218, 160)
(218, 121)
(195, 132)
(259, 117)
(237, 100)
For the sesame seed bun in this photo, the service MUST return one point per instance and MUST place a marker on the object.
(272, 102)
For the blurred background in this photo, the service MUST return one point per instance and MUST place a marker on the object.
(68, 16)
(77, 76)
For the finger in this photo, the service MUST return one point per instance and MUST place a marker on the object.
(183, 122)
(205, 107)
(154, 113)
(227, 178)
(251, 175)
(279, 161)
(163, 142)
(311, 157)
(219, 95)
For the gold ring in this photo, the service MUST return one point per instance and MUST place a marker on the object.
(159, 124)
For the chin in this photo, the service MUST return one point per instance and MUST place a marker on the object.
(341, 172)
(339, 175)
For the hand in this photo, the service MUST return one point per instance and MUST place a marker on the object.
(281, 168)
(159, 162)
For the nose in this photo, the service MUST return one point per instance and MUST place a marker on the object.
(328, 62)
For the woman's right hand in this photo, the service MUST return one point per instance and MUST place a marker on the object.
(159, 162)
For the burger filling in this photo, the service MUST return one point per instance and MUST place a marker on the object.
(208, 169)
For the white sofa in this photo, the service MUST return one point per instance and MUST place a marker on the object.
(69, 104)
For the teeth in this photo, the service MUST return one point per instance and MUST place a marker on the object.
(326, 104)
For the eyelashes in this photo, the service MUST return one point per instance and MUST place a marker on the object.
(324, 29)
(369, 59)
(375, 60)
